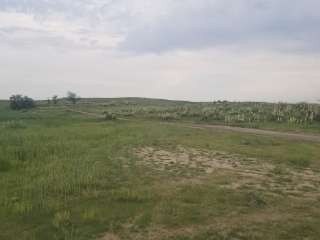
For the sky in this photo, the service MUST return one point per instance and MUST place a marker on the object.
(199, 50)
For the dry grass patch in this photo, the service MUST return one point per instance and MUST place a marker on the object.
(247, 173)
(110, 236)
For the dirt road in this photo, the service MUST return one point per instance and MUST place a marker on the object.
(296, 136)
(85, 113)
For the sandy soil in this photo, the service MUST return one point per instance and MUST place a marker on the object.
(247, 173)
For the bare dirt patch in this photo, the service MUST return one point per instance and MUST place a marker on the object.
(202, 160)
(247, 173)
(219, 227)
(110, 236)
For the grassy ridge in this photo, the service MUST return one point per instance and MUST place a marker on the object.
(66, 176)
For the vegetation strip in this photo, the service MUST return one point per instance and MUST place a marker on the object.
(298, 136)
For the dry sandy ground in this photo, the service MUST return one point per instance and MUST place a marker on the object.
(249, 172)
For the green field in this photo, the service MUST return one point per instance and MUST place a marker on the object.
(66, 175)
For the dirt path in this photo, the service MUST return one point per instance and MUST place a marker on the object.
(85, 113)
(96, 115)
(296, 136)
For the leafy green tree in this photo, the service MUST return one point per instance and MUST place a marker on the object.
(72, 97)
(18, 102)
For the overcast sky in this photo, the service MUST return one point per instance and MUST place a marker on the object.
(258, 50)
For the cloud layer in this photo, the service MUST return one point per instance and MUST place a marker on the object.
(280, 25)
(196, 50)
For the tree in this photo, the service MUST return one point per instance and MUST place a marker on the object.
(72, 97)
(18, 102)
(55, 99)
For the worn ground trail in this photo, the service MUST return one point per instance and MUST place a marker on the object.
(96, 115)
(296, 136)
(85, 113)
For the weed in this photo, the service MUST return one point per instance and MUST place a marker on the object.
(255, 200)
(300, 163)
(22, 208)
(89, 215)
(129, 195)
(62, 219)
(279, 170)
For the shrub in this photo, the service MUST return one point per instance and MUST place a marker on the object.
(255, 200)
(109, 116)
(168, 116)
(18, 102)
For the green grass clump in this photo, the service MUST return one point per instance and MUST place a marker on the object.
(129, 195)
(4, 165)
(300, 162)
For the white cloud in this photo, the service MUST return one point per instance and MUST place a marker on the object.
(20, 29)
(195, 50)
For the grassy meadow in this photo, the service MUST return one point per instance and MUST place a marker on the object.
(69, 176)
